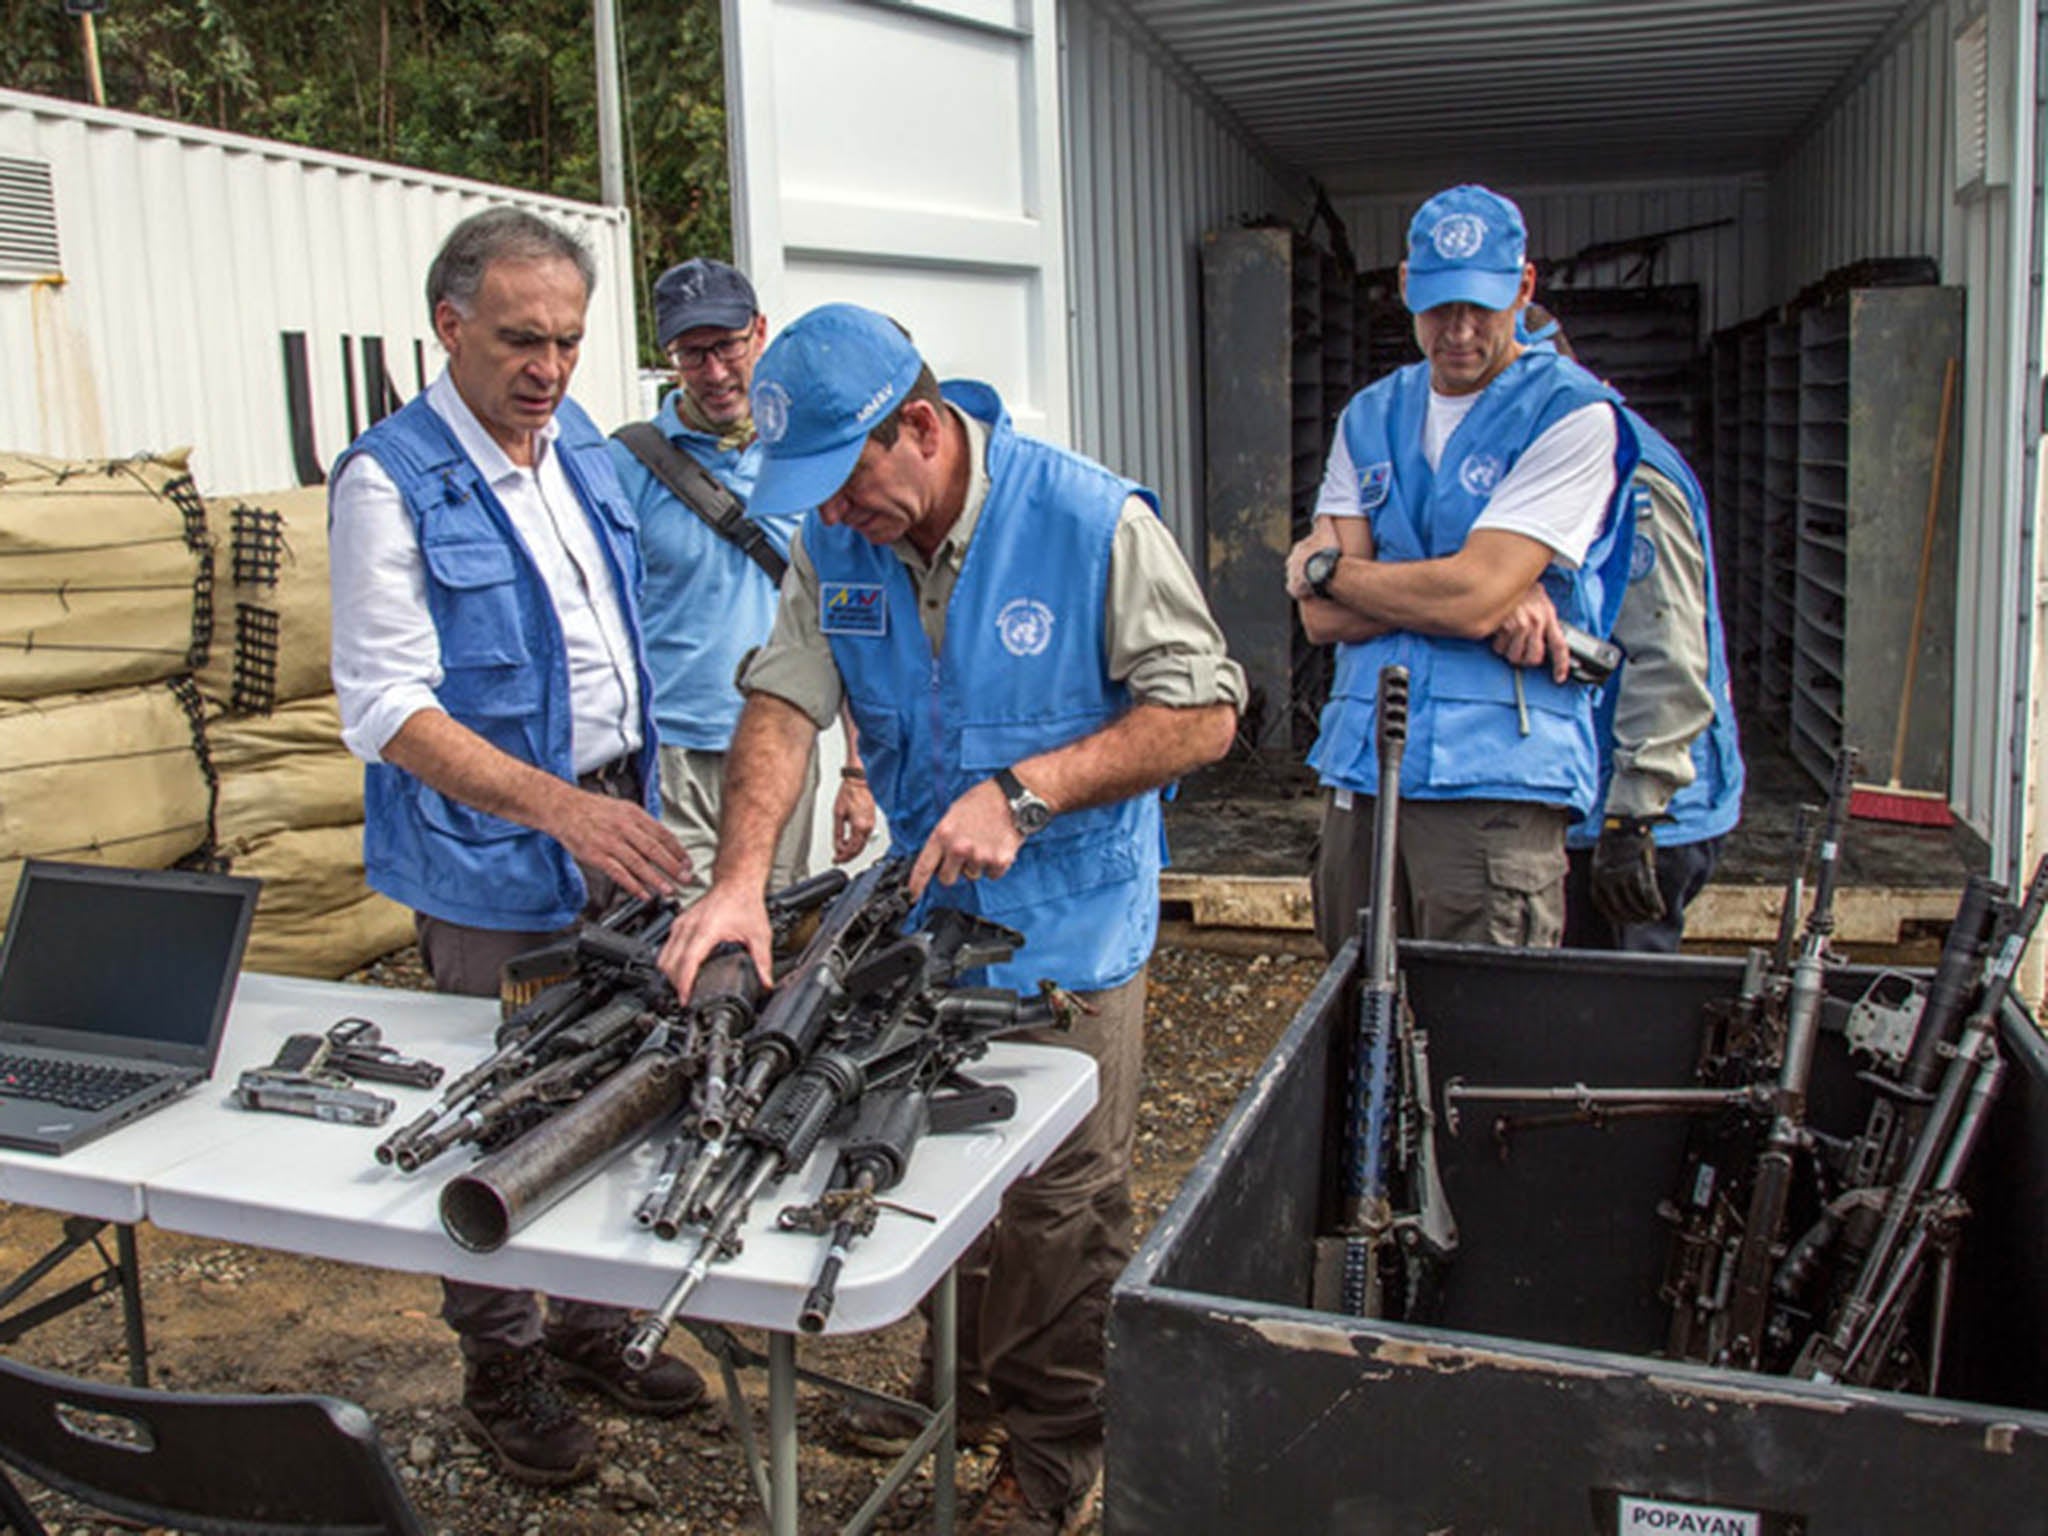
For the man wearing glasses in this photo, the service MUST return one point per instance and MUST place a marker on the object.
(713, 568)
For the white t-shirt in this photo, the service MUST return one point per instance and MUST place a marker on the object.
(1557, 493)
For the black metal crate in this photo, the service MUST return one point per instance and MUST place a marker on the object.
(1536, 1401)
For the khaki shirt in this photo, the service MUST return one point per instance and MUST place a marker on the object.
(1161, 641)
(1665, 701)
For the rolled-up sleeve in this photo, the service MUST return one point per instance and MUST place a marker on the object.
(1163, 642)
(386, 656)
(795, 664)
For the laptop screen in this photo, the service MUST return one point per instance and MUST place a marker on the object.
(134, 962)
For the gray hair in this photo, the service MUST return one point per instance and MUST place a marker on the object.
(500, 234)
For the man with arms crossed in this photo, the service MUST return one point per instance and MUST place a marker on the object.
(1027, 659)
(487, 661)
(1455, 486)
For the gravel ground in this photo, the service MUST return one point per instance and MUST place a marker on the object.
(226, 1318)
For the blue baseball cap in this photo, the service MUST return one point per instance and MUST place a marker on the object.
(1466, 246)
(831, 377)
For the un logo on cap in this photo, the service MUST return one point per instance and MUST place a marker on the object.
(771, 412)
(1458, 236)
(1480, 472)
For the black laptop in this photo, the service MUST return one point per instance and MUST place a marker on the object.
(114, 991)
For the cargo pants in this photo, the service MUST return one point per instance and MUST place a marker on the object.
(1469, 872)
(489, 1321)
(1034, 1288)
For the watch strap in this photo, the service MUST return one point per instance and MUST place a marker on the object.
(1320, 585)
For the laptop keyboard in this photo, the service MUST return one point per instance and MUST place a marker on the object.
(72, 1084)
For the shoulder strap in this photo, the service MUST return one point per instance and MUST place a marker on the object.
(694, 487)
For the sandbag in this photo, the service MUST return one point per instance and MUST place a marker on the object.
(284, 770)
(106, 574)
(116, 777)
(316, 916)
(272, 643)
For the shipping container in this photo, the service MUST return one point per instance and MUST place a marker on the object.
(163, 286)
(1027, 183)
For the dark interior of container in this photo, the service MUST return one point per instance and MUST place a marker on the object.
(1559, 1238)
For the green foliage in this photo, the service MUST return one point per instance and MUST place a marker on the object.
(500, 90)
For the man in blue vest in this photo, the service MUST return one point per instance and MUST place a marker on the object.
(1027, 659)
(487, 661)
(1471, 503)
(1671, 772)
(713, 569)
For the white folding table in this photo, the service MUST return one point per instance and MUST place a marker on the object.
(206, 1168)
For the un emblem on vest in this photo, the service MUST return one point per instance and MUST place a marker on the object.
(771, 412)
(1025, 625)
(1458, 236)
(1480, 472)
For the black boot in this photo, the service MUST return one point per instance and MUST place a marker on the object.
(595, 1359)
(511, 1405)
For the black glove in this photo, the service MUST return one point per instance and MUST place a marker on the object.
(1623, 875)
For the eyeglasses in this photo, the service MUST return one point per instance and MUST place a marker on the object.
(728, 350)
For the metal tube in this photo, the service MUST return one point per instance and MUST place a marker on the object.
(483, 1207)
(782, 1489)
(945, 1398)
(611, 155)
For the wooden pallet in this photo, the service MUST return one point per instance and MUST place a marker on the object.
(1723, 914)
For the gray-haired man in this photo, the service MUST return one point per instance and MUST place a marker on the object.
(488, 665)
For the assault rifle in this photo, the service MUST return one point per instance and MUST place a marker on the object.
(1739, 1049)
(1755, 1063)
(554, 1098)
(1390, 1125)
(863, 1017)
(1921, 1151)
(1736, 1336)
(748, 1058)
(555, 1048)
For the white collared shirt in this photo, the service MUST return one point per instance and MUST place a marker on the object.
(386, 654)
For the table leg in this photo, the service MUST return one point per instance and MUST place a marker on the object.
(120, 1272)
(945, 1369)
(131, 1304)
(782, 1501)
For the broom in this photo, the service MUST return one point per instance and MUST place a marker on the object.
(1888, 801)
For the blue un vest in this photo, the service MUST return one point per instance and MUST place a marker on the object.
(1021, 672)
(1712, 803)
(1464, 736)
(704, 604)
(505, 675)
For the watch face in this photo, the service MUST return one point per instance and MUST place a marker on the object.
(1030, 813)
(1319, 568)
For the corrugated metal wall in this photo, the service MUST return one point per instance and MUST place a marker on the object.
(1151, 163)
(186, 254)
(1731, 264)
(1876, 177)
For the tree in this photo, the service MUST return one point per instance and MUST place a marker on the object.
(503, 91)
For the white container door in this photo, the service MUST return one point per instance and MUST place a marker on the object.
(904, 154)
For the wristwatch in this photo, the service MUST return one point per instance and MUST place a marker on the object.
(1319, 568)
(1026, 810)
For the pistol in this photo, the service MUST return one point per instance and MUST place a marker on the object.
(317, 1097)
(1593, 659)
